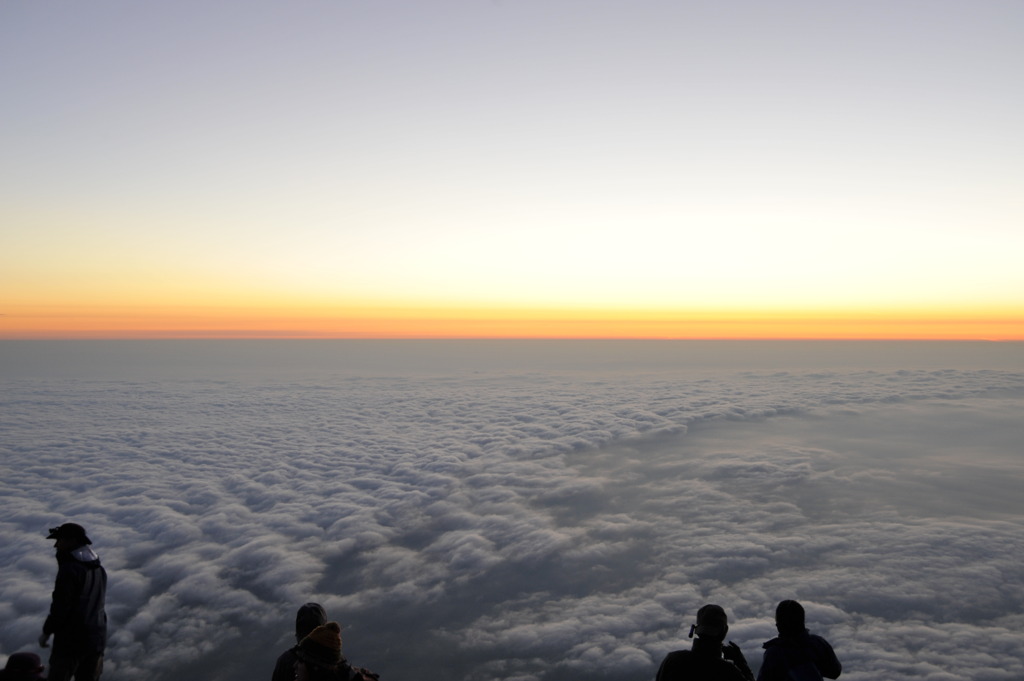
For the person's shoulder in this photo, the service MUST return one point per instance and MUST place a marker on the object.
(676, 658)
(774, 651)
(675, 665)
(815, 641)
(286, 659)
(678, 655)
(283, 666)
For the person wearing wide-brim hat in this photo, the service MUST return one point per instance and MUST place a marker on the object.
(77, 619)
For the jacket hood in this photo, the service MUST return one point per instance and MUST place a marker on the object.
(84, 554)
(309, 617)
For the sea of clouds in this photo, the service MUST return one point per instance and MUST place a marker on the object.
(470, 517)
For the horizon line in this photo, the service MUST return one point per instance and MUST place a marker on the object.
(104, 323)
(373, 337)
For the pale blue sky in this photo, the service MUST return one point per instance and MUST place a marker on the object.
(616, 152)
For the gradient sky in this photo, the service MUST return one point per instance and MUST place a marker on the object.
(454, 168)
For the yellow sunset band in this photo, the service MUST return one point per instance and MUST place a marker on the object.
(84, 321)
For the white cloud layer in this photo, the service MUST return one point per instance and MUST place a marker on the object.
(526, 524)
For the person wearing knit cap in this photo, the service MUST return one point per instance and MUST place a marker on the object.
(309, 617)
(319, 658)
(709, 659)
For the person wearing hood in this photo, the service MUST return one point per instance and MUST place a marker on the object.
(77, 619)
(796, 653)
(709, 659)
(309, 617)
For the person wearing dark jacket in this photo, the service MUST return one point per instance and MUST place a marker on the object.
(795, 652)
(77, 619)
(309, 617)
(709, 659)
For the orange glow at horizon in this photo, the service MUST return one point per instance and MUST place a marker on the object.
(232, 322)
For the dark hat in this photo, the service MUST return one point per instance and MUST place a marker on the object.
(322, 647)
(309, 617)
(711, 621)
(69, 531)
(24, 666)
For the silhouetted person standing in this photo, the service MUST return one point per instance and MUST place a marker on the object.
(709, 659)
(309, 617)
(796, 653)
(77, 619)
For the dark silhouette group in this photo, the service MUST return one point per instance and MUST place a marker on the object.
(77, 621)
(794, 655)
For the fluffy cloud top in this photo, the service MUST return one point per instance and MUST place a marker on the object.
(526, 524)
